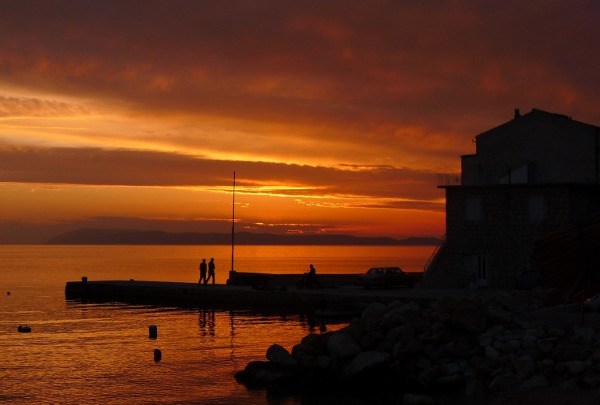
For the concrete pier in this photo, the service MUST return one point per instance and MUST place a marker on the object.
(238, 297)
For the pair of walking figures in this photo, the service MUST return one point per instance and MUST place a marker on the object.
(211, 271)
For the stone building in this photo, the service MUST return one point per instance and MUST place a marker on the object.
(530, 176)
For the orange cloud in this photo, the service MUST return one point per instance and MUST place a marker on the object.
(338, 106)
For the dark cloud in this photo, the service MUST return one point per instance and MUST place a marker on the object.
(90, 166)
(452, 66)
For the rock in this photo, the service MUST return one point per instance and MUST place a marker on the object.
(574, 367)
(365, 361)
(436, 333)
(524, 366)
(512, 302)
(591, 380)
(498, 315)
(536, 381)
(583, 335)
(546, 367)
(314, 344)
(342, 345)
(428, 376)
(556, 332)
(423, 363)
(307, 361)
(450, 382)
(529, 342)
(485, 339)
(491, 353)
(370, 340)
(323, 361)
(496, 331)
(374, 311)
(569, 385)
(538, 333)
(278, 354)
(411, 309)
(411, 399)
(504, 383)
(475, 389)
(264, 372)
(511, 346)
(449, 369)
(397, 350)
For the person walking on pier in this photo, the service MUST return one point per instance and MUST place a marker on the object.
(202, 272)
(211, 271)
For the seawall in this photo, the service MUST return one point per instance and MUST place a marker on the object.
(279, 296)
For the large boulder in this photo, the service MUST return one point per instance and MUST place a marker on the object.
(342, 346)
(278, 354)
(313, 343)
(259, 373)
(365, 361)
(374, 311)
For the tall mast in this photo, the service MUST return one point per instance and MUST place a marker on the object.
(232, 221)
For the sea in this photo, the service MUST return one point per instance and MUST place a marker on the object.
(102, 353)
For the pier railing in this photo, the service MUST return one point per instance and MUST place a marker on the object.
(449, 179)
(435, 252)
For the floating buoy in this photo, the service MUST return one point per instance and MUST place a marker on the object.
(153, 330)
(8, 293)
(157, 355)
(24, 329)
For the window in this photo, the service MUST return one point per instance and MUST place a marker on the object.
(537, 209)
(473, 209)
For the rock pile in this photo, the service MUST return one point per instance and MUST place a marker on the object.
(478, 346)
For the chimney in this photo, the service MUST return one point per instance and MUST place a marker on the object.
(517, 113)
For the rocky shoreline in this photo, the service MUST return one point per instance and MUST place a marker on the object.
(477, 348)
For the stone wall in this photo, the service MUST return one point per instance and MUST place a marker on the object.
(503, 230)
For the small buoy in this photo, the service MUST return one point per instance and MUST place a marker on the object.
(84, 279)
(157, 355)
(153, 331)
(8, 293)
(24, 329)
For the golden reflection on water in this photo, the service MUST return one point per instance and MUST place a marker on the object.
(102, 353)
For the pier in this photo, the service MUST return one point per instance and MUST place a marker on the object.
(278, 293)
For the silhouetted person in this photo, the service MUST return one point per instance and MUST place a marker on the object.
(202, 272)
(309, 279)
(211, 271)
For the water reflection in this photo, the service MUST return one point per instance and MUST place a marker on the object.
(206, 321)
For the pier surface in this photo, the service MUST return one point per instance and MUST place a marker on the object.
(235, 296)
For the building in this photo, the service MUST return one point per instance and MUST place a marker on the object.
(530, 176)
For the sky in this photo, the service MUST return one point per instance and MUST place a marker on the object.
(336, 116)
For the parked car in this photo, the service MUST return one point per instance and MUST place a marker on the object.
(592, 304)
(385, 277)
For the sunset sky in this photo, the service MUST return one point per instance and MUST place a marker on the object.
(336, 116)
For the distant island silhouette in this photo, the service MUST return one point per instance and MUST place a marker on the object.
(137, 237)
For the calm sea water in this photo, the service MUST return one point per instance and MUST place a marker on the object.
(101, 353)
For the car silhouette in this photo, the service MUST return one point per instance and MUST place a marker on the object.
(385, 277)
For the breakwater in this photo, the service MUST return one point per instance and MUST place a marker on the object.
(275, 291)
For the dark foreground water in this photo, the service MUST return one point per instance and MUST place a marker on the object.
(102, 354)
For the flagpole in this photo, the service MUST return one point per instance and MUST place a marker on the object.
(232, 222)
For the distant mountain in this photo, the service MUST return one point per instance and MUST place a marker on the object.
(134, 237)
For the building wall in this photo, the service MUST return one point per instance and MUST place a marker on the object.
(552, 149)
(495, 227)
